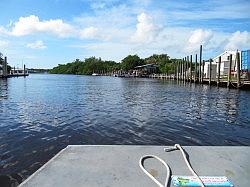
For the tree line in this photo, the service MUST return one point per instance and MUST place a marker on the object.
(96, 65)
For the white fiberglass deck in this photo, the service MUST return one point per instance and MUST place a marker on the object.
(92, 166)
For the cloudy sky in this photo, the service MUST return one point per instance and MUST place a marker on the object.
(44, 33)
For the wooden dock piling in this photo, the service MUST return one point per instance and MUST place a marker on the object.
(177, 73)
(185, 66)
(201, 64)
(187, 69)
(24, 69)
(202, 73)
(5, 71)
(218, 78)
(182, 70)
(195, 69)
(191, 61)
(210, 71)
(229, 70)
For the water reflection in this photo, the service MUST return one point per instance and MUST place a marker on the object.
(41, 114)
(3, 89)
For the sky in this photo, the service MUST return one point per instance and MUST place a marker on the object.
(45, 33)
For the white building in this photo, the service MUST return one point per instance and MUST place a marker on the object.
(207, 69)
(225, 62)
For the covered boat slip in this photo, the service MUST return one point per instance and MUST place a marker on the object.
(118, 165)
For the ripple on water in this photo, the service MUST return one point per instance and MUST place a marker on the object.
(52, 111)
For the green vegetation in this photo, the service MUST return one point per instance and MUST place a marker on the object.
(165, 64)
(131, 61)
(97, 65)
(86, 67)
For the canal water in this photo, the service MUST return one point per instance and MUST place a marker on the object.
(41, 114)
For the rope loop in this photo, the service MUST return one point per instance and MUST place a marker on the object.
(175, 147)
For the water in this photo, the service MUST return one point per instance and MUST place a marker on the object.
(41, 114)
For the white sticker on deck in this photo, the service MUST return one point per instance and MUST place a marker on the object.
(207, 180)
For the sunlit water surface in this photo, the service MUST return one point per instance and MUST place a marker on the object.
(41, 114)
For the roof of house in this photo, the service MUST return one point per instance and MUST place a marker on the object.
(225, 52)
(146, 65)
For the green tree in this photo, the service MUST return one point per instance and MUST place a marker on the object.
(86, 67)
(131, 61)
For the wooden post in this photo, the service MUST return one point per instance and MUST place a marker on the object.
(218, 78)
(229, 70)
(202, 73)
(177, 71)
(191, 59)
(5, 71)
(185, 66)
(195, 69)
(210, 71)
(238, 68)
(201, 64)
(182, 69)
(24, 69)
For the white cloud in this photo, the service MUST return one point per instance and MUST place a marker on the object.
(36, 45)
(3, 43)
(3, 30)
(32, 24)
(238, 40)
(198, 37)
(90, 33)
(146, 30)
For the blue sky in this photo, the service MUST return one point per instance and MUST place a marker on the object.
(45, 33)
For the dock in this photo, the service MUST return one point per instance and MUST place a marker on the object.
(14, 72)
(118, 165)
(243, 84)
(14, 75)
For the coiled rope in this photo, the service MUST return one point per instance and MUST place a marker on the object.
(176, 146)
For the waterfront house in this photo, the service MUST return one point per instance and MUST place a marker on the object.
(207, 69)
(225, 57)
(145, 70)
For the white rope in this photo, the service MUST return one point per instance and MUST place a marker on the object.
(151, 176)
(176, 146)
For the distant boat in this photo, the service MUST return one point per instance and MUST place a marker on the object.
(95, 74)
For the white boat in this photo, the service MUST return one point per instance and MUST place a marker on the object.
(95, 74)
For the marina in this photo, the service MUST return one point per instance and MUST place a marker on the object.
(12, 72)
(44, 113)
(229, 69)
(124, 93)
